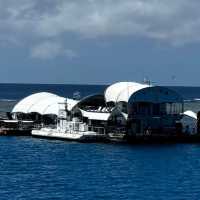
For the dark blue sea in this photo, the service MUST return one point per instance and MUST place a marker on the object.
(48, 169)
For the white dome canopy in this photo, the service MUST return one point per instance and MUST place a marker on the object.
(54, 105)
(122, 91)
(50, 105)
(43, 103)
(25, 104)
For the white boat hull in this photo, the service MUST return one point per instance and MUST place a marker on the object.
(66, 135)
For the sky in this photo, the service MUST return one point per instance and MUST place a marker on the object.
(100, 41)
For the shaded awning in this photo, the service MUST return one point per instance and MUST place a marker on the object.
(95, 115)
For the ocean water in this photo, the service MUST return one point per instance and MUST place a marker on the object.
(44, 169)
(49, 169)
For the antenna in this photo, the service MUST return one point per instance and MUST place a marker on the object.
(147, 81)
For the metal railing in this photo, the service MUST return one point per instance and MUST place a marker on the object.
(99, 130)
(116, 130)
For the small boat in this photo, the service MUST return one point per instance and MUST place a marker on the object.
(71, 130)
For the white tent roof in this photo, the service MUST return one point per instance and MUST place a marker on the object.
(126, 93)
(50, 105)
(53, 105)
(25, 104)
(96, 115)
(191, 114)
(122, 91)
(44, 103)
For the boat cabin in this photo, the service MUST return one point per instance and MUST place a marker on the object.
(154, 110)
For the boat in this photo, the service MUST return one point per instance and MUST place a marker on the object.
(70, 130)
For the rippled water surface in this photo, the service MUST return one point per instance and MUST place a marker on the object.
(44, 169)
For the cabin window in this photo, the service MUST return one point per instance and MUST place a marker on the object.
(152, 109)
(163, 109)
(141, 108)
(174, 108)
(156, 109)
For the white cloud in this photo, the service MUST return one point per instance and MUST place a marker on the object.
(50, 50)
(176, 21)
(70, 54)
